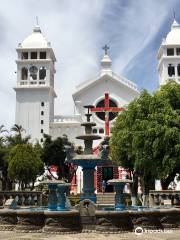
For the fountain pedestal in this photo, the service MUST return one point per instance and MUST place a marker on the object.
(119, 188)
(61, 196)
(57, 194)
(88, 184)
(52, 197)
(88, 163)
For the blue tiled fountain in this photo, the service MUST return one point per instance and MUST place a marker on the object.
(88, 161)
(57, 194)
(119, 185)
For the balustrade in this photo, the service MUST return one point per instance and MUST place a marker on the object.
(22, 198)
(164, 197)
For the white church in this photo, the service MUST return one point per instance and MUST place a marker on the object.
(35, 93)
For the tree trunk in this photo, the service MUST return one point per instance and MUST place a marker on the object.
(134, 189)
(147, 183)
(145, 200)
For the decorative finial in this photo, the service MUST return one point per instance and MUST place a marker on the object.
(174, 15)
(37, 27)
(37, 22)
(88, 115)
(105, 48)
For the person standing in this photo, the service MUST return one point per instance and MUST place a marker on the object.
(103, 186)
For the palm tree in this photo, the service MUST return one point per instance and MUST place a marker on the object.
(17, 138)
(2, 130)
(18, 129)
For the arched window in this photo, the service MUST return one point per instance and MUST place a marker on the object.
(94, 130)
(42, 73)
(101, 115)
(24, 73)
(171, 70)
(178, 69)
(101, 130)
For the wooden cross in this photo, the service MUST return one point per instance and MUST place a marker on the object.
(105, 48)
(107, 109)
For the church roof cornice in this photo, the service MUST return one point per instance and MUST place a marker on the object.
(49, 88)
(113, 77)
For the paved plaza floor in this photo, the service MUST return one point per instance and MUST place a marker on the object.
(7, 235)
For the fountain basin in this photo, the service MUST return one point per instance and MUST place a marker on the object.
(88, 137)
(25, 220)
(92, 124)
(118, 221)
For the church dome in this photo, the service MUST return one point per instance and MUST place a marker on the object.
(35, 39)
(173, 37)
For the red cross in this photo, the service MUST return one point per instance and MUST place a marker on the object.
(107, 109)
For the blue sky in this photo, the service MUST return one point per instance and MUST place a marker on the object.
(77, 30)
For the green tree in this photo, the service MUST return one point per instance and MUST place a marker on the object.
(168, 151)
(146, 137)
(54, 153)
(5, 181)
(24, 164)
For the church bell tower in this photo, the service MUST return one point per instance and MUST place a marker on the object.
(169, 56)
(35, 85)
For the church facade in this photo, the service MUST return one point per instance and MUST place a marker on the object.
(35, 94)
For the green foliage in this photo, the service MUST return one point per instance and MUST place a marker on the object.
(146, 136)
(24, 163)
(54, 153)
(74, 199)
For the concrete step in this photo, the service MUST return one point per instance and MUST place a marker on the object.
(106, 198)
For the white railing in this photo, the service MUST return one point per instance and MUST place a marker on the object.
(29, 83)
(125, 81)
(67, 119)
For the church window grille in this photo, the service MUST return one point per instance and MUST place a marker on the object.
(171, 70)
(42, 73)
(33, 55)
(33, 72)
(178, 70)
(42, 131)
(42, 113)
(94, 130)
(42, 140)
(101, 131)
(24, 73)
(178, 51)
(170, 51)
(42, 121)
(24, 55)
(101, 115)
(42, 55)
(42, 104)
(33, 76)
